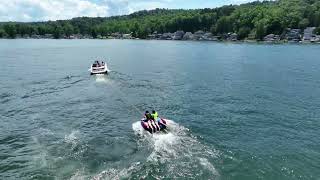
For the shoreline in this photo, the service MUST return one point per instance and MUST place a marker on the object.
(216, 41)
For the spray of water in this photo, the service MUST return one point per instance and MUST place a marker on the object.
(101, 78)
(176, 154)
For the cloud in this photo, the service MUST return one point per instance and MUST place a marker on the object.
(129, 6)
(42, 10)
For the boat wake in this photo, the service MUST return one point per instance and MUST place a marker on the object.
(173, 155)
(101, 78)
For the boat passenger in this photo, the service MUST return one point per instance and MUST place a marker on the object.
(148, 119)
(155, 118)
(154, 115)
(148, 115)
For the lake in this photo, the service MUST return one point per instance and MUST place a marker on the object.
(236, 111)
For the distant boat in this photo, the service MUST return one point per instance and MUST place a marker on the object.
(99, 68)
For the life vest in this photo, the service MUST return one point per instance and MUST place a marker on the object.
(155, 115)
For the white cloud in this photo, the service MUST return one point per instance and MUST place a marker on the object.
(129, 6)
(42, 10)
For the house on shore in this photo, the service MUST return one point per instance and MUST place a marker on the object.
(198, 35)
(293, 35)
(50, 36)
(271, 38)
(178, 35)
(35, 36)
(167, 36)
(231, 36)
(208, 37)
(127, 36)
(151, 36)
(116, 35)
(187, 36)
(308, 35)
(155, 35)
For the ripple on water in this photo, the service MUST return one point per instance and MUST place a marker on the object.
(5, 97)
(12, 155)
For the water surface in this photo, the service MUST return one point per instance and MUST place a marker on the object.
(237, 111)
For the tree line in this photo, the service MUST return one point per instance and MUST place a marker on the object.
(253, 20)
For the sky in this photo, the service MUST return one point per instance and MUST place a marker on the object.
(44, 10)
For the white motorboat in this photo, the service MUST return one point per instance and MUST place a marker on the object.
(99, 68)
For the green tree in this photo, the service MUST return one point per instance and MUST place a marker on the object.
(260, 30)
(304, 23)
(316, 18)
(42, 30)
(33, 30)
(134, 28)
(3, 33)
(317, 30)
(142, 32)
(58, 32)
(243, 32)
(10, 29)
(224, 25)
(94, 32)
(68, 29)
(274, 26)
(213, 29)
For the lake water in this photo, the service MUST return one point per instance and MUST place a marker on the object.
(237, 111)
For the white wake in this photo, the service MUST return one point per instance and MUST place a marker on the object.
(177, 153)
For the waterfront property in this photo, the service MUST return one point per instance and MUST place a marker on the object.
(271, 38)
(290, 35)
(310, 36)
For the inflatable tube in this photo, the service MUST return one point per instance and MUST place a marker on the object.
(161, 122)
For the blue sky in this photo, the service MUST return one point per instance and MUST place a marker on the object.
(43, 10)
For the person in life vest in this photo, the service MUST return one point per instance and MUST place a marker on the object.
(155, 117)
(148, 120)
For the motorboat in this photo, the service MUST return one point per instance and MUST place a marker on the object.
(99, 68)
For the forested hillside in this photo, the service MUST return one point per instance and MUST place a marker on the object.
(254, 19)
